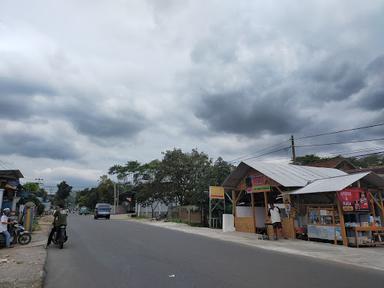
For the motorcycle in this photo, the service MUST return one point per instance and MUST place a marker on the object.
(19, 234)
(60, 236)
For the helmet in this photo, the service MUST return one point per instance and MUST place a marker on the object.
(6, 210)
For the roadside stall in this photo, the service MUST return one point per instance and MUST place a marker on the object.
(347, 209)
(255, 185)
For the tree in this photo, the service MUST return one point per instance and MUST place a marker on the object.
(186, 176)
(63, 191)
(308, 159)
(368, 161)
(34, 188)
(220, 171)
(132, 169)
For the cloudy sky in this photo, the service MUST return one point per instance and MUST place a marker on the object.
(88, 84)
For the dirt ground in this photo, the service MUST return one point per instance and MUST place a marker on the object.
(23, 266)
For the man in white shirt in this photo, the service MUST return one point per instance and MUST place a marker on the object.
(274, 213)
(4, 227)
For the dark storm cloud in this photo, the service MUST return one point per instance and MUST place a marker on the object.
(100, 125)
(249, 114)
(16, 97)
(17, 102)
(336, 79)
(372, 98)
(12, 86)
(35, 146)
(267, 99)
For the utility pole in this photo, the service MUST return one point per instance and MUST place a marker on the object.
(293, 149)
(114, 198)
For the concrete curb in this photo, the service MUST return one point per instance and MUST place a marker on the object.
(345, 253)
(43, 271)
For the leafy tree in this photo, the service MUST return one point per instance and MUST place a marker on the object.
(131, 170)
(220, 171)
(63, 191)
(186, 176)
(368, 161)
(308, 159)
(34, 188)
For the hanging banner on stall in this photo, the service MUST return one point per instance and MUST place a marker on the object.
(216, 192)
(354, 199)
(255, 184)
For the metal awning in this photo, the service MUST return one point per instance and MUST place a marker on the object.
(11, 174)
(287, 175)
(338, 183)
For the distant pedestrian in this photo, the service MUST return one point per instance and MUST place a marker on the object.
(4, 226)
(274, 213)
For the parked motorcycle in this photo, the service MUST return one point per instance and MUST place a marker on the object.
(20, 235)
(60, 236)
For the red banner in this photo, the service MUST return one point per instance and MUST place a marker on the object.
(256, 184)
(354, 199)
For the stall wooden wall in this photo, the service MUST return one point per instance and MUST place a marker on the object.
(288, 228)
(245, 224)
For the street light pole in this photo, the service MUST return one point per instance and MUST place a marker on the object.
(114, 198)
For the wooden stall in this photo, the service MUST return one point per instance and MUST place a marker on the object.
(255, 185)
(346, 209)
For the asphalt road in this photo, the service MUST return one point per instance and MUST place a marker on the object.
(105, 253)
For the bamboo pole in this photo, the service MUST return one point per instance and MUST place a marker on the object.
(234, 203)
(342, 224)
(266, 204)
(382, 207)
(253, 211)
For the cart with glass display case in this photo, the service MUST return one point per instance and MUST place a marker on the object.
(323, 223)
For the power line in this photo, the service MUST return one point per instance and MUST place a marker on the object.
(376, 153)
(341, 131)
(271, 152)
(337, 143)
(356, 151)
(259, 151)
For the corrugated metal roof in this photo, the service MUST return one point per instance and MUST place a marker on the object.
(289, 175)
(332, 184)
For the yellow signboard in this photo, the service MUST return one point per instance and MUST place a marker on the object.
(216, 192)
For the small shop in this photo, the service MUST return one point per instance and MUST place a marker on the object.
(346, 209)
(255, 185)
(9, 183)
(319, 204)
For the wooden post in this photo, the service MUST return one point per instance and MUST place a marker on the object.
(266, 204)
(234, 203)
(253, 211)
(342, 224)
(373, 200)
(382, 207)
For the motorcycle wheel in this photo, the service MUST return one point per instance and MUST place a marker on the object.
(24, 239)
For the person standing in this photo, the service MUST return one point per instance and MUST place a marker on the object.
(274, 213)
(4, 226)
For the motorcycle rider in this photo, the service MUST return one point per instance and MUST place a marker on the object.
(60, 218)
(4, 227)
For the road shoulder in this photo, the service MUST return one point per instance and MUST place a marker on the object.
(24, 266)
